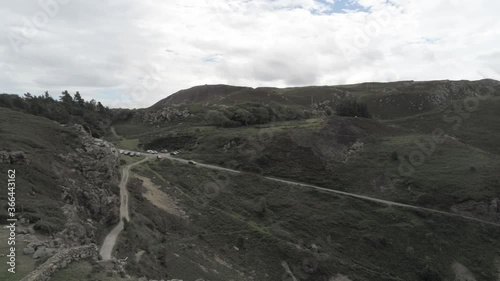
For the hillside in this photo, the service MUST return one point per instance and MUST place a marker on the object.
(425, 146)
(65, 194)
(403, 98)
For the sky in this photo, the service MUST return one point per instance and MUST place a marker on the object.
(131, 53)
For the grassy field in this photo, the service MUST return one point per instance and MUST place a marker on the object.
(130, 144)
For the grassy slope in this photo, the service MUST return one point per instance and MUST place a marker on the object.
(361, 240)
(308, 151)
(41, 139)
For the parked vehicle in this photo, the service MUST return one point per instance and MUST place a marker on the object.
(159, 156)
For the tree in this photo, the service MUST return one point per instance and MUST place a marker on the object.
(100, 107)
(66, 98)
(78, 99)
(262, 115)
(47, 97)
(216, 117)
(92, 104)
(243, 116)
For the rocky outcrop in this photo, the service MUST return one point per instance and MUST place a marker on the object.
(16, 157)
(90, 190)
(61, 260)
(486, 209)
(166, 114)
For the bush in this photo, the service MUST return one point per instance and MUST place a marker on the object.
(352, 108)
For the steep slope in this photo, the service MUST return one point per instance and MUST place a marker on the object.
(65, 183)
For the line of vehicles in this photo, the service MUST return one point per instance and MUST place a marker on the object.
(173, 153)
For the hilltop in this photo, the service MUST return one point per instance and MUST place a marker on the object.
(386, 100)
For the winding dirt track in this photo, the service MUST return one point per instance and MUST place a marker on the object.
(110, 240)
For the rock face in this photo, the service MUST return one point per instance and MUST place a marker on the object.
(90, 189)
(166, 114)
(61, 260)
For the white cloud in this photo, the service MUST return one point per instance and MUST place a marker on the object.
(106, 49)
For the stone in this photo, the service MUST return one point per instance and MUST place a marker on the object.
(22, 230)
(28, 251)
(18, 157)
(44, 252)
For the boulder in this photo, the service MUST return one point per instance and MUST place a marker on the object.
(44, 252)
(28, 251)
(18, 157)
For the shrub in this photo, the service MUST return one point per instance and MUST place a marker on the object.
(352, 108)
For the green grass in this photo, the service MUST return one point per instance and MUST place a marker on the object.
(130, 144)
(41, 140)
(24, 264)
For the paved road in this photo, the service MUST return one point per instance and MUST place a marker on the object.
(110, 240)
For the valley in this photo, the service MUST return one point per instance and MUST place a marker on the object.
(272, 184)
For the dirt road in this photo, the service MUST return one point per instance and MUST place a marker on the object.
(110, 240)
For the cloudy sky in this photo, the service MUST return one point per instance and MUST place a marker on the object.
(131, 53)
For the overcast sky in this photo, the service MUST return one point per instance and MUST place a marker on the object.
(131, 53)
